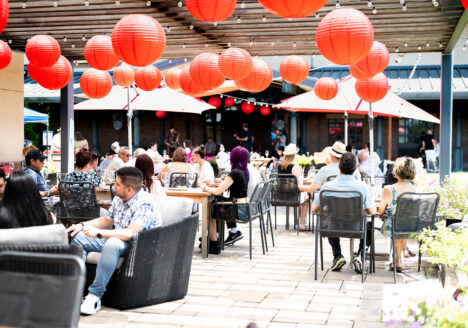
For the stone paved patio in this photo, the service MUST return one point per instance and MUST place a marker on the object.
(278, 290)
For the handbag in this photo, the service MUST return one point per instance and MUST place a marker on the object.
(223, 208)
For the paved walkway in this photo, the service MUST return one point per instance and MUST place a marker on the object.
(278, 290)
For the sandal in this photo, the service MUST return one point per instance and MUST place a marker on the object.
(408, 253)
(398, 269)
(304, 227)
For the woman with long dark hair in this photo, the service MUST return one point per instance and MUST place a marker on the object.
(145, 164)
(237, 182)
(83, 169)
(22, 205)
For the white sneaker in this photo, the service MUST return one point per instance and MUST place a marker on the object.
(91, 304)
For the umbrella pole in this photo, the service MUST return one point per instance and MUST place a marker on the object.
(371, 144)
(346, 127)
(48, 142)
(129, 121)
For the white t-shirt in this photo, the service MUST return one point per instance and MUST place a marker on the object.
(206, 172)
(116, 164)
(153, 154)
(56, 142)
(254, 179)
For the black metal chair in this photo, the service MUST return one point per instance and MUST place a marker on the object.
(414, 212)
(180, 179)
(254, 211)
(285, 192)
(40, 290)
(341, 216)
(77, 202)
(266, 208)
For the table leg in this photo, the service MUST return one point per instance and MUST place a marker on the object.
(204, 229)
(287, 217)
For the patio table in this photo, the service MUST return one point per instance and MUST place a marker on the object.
(200, 197)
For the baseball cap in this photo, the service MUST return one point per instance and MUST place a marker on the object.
(35, 154)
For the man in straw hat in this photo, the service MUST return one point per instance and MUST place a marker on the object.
(326, 173)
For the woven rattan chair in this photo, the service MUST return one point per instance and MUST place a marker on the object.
(414, 212)
(342, 216)
(40, 290)
(77, 202)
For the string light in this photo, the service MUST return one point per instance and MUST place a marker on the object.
(229, 44)
(206, 45)
(184, 46)
(276, 56)
(440, 45)
(242, 5)
(337, 4)
(73, 45)
(405, 44)
(191, 27)
(369, 3)
(404, 7)
(117, 2)
(427, 43)
(83, 38)
(168, 29)
(170, 61)
(317, 15)
(464, 47)
(23, 4)
(397, 50)
(238, 19)
(185, 59)
(215, 24)
(251, 42)
(64, 39)
(273, 43)
(264, 19)
(10, 41)
(86, 3)
(55, 3)
(179, 4)
(374, 10)
(435, 3)
(148, 3)
(419, 47)
(402, 2)
(294, 44)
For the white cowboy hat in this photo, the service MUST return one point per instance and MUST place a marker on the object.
(338, 149)
(290, 149)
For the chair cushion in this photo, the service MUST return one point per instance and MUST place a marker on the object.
(93, 258)
(173, 209)
(50, 235)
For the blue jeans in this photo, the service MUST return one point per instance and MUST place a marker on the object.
(111, 249)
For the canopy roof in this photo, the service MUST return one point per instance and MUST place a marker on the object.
(31, 116)
(422, 22)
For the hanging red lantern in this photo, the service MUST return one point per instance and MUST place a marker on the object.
(138, 40)
(95, 83)
(124, 75)
(99, 52)
(247, 107)
(32, 72)
(465, 4)
(376, 61)
(374, 89)
(294, 69)
(235, 63)
(148, 78)
(205, 72)
(265, 110)
(229, 102)
(241, 85)
(42, 50)
(357, 74)
(211, 10)
(5, 54)
(172, 78)
(260, 77)
(4, 14)
(345, 36)
(160, 114)
(292, 9)
(326, 88)
(214, 101)
(55, 77)
(187, 85)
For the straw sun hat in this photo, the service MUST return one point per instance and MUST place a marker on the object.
(338, 149)
(290, 149)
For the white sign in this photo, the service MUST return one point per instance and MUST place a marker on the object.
(47, 137)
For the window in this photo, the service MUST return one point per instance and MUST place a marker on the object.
(336, 131)
(410, 131)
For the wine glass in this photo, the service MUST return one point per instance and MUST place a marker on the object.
(267, 153)
(311, 172)
(191, 179)
(164, 153)
(165, 179)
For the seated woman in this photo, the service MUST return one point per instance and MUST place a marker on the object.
(179, 164)
(405, 171)
(202, 167)
(236, 182)
(145, 164)
(22, 205)
(83, 169)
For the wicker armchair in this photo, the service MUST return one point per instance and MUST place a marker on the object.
(77, 202)
(156, 268)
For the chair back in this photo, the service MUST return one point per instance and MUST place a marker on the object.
(36, 291)
(414, 212)
(341, 214)
(331, 178)
(77, 201)
(255, 200)
(285, 190)
(180, 179)
(266, 196)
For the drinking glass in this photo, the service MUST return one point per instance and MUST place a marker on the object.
(165, 176)
(267, 153)
(311, 172)
(164, 153)
(191, 179)
(367, 181)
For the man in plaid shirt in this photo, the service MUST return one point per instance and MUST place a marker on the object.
(133, 210)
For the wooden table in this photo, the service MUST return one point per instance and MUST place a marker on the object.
(200, 197)
(257, 162)
(103, 197)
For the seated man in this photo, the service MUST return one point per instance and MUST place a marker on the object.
(35, 162)
(365, 164)
(122, 158)
(346, 182)
(133, 210)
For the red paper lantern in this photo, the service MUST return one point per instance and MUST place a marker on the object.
(138, 40)
(42, 50)
(357, 74)
(99, 52)
(292, 8)
(265, 110)
(32, 72)
(345, 36)
(211, 10)
(95, 83)
(229, 102)
(124, 75)
(374, 89)
(260, 77)
(205, 72)
(172, 78)
(247, 107)
(148, 78)
(241, 85)
(376, 60)
(5, 54)
(55, 77)
(465, 4)
(235, 63)
(187, 85)
(214, 101)
(4, 14)
(326, 88)
(160, 114)
(294, 69)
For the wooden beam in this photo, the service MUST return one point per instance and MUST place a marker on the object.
(462, 22)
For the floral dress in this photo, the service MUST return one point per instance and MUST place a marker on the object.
(390, 212)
